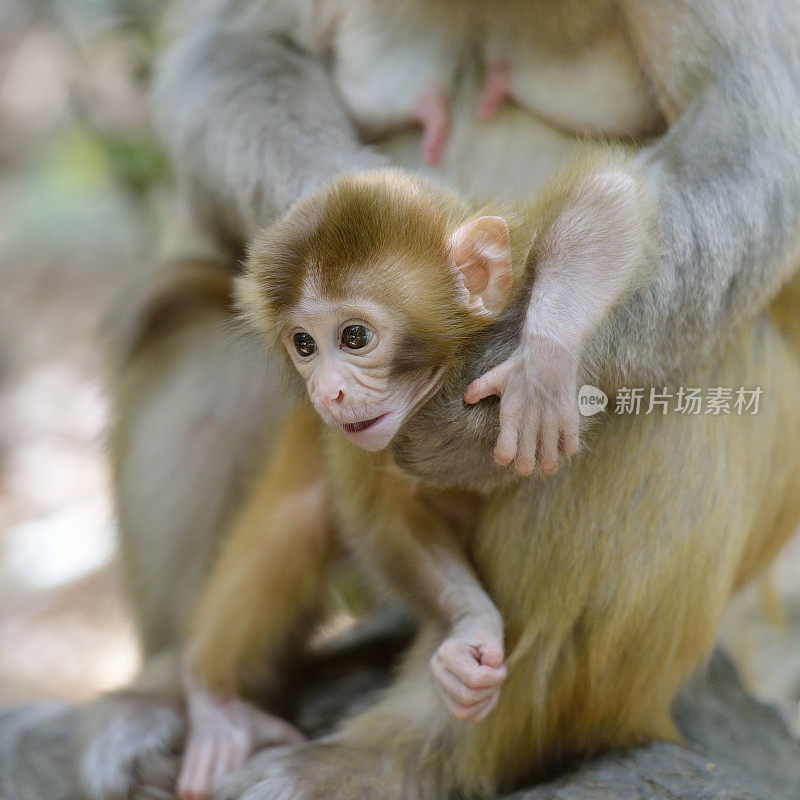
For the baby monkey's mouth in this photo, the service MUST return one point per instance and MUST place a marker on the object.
(357, 427)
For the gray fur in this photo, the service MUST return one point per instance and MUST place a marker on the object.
(726, 179)
(252, 121)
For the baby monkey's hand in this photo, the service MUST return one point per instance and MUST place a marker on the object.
(469, 669)
(538, 407)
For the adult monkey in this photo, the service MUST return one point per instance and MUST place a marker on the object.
(253, 124)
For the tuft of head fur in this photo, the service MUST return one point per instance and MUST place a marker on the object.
(381, 236)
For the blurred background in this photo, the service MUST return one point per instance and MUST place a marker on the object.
(81, 182)
(82, 188)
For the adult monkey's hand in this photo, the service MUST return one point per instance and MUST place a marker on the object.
(724, 180)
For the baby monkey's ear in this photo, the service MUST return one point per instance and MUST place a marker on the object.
(480, 253)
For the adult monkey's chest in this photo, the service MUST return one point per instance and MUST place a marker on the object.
(571, 62)
(572, 65)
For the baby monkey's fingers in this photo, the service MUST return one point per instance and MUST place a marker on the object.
(482, 710)
(462, 701)
(568, 440)
(516, 427)
(474, 713)
(465, 662)
(505, 451)
(525, 457)
(471, 708)
(469, 676)
(548, 445)
(515, 422)
(491, 654)
(491, 383)
(477, 676)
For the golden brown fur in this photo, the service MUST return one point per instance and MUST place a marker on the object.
(609, 606)
(236, 631)
(401, 223)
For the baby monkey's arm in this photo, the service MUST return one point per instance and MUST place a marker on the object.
(592, 231)
(430, 567)
(468, 665)
(418, 549)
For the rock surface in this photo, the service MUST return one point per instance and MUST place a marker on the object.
(736, 748)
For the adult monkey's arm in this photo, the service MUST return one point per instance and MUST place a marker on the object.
(725, 184)
(250, 115)
(725, 177)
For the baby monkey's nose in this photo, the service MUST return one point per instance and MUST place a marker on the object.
(330, 387)
(332, 394)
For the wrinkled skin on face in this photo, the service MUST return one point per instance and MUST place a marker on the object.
(344, 353)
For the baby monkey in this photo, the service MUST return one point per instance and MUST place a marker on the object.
(376, 287)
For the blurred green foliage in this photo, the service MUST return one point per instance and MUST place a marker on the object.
(91, 178)
(90, 192)
(136, 163)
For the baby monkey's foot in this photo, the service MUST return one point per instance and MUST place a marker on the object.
(496, 89)
(469, 670)
(223, 733)
(433, 113)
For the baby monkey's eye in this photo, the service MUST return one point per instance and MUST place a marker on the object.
(355, 337)
(304, 344)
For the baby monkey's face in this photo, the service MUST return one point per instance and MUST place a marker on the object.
(344, 353)
(368, 364)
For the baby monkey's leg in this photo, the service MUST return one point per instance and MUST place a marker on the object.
(222, 733)
(263, 594)
(496, 89)
(432, 111)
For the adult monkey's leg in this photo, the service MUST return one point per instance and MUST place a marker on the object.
(195, 410)
(195, 406)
